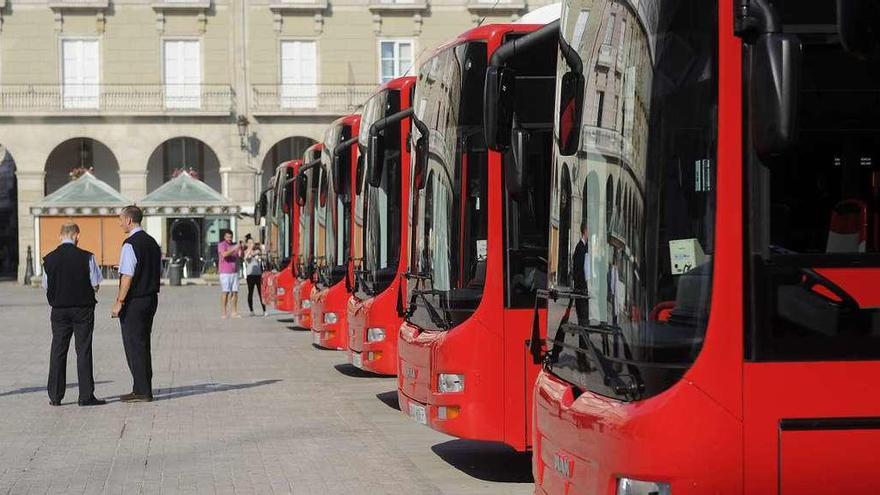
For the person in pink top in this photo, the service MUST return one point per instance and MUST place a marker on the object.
(228, 254)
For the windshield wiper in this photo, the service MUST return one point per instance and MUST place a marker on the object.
(433, 313)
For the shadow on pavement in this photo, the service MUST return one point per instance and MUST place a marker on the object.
(487, 461)
(355, 372)
(200, 389)
(389, 399)
(286, 320)
(316, 346)
(42, 388)
(299, 329)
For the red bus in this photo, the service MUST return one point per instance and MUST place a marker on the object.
(713, 322)
(276, 231)
(335, 233)
(478, 234)
(306, 188)
(373, 315)
(287, 213)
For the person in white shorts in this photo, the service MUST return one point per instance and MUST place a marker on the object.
(228, 254)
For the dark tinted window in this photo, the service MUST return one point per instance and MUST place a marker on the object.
(815, 230)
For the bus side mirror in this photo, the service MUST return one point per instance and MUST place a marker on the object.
(374, 162)
(498, 107)
(338, 171)
(571, 104)
(774, 88)
(302, 189)
(420, 162)
(359, 175)
(519, 143)
(857, 22)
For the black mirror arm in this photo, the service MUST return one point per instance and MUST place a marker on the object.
(510, 49)
(423, 129)
(389, 120)
(341, 147)
(755, 17)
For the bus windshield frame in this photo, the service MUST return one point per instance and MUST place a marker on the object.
(448, 213)
(335, 209)
(380, 205)
(633, 200)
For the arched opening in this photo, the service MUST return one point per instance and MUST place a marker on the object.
(186, 244)
(8, 216)
(73, 157)
(609, 203)
(290, 148)
(563, 275)
(183, 154)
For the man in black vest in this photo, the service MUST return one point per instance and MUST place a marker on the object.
(71, 277)
(140, 268)
(581, 266)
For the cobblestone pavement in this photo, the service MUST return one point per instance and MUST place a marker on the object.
(242, 406)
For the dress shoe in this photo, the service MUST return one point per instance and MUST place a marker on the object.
(54, 402)
(133, 397)
(94, 401)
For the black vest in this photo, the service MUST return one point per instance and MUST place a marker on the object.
(69, 285)
(148, 269)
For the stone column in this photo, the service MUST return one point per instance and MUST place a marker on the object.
(30, 191)
(133, 184)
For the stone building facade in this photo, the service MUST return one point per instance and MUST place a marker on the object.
(138, 90)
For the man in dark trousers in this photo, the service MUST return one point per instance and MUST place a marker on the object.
(581, 266)
(71, 277)
(140, 268)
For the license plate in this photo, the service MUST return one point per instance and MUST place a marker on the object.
(357, 360)
(316, 338)
(418, 413)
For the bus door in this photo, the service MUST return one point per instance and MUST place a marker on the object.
(812, 338)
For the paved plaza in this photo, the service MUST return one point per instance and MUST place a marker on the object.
(242, 406)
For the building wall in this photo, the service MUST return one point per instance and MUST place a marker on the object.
(240, 48)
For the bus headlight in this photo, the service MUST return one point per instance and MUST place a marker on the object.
(330, 318)
(375, 334)
(627, 486)
(307, 303)
(449, 383)
(280, 291)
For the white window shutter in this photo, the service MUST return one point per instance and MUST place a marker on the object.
(299, 74)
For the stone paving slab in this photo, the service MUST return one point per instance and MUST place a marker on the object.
(242, 407)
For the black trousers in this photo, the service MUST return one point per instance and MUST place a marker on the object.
(136, 318)
(255, 281)
(79, 323)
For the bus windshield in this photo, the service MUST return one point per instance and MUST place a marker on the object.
(381, 204)
(633, 201)
(448, 220)
(334, 209)
(815, 234)
(306, 231)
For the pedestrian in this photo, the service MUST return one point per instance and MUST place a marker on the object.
(71, 278)
(229, 254)
(253, 263)
(140, 269)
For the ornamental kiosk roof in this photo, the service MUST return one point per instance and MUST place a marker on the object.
(186, 195)
(87, 195)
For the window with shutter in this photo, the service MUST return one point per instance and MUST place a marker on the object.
(299, 74)
(80, 72)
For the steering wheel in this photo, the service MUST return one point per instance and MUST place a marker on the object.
(812, 278)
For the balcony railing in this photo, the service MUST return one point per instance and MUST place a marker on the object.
(309, 98)
(104, 99)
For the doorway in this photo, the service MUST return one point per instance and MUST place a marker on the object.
(186, 244)
(8, 217)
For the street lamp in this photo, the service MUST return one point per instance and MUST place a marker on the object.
(242, 124)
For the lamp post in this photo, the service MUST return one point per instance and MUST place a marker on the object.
(242, 124)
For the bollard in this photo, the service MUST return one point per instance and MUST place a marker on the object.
(29, 269)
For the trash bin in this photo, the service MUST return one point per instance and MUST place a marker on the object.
(175, 273)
